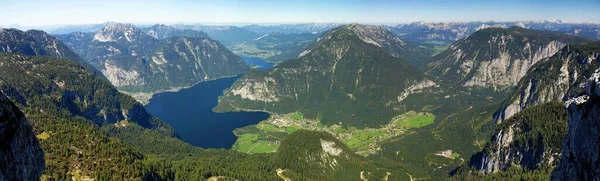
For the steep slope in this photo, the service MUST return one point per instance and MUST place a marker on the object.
(161, 31)
(343, 79)
(136, 62)
(62, 87)
(382, 38)
(497, 58)
(35, 42)
(579, 160)
(66, 104)
(530, 139)
(556, 78)
(20, 153)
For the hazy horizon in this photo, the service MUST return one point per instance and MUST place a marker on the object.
(41, 13)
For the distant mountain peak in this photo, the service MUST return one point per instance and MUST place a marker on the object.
(113, 32)
(371, 34)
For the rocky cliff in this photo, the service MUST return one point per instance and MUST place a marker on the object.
(530, 139)
(497, 58)
(21, 157)
(556, 78)
(581, 147)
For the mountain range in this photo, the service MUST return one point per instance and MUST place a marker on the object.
(135, 61)
(346, 102)
(497, 58)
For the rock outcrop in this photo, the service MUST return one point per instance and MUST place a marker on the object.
(557, 78)
(529, 139)
(581, 147)
(21, 157)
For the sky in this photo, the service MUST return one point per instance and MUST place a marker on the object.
(61, 12)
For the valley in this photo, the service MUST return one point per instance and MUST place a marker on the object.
(266, 136)
(244, 90)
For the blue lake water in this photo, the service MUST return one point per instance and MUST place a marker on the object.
(189, 112)
(259, 63)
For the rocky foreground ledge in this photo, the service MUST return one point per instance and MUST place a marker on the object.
(21, 157)
(581, 148)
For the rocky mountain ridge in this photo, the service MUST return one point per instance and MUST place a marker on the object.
(497, 58)
(556, 78)
(136, 62)
(36, 42)
(161, 31)
(448, 32)
(579, 160)
(378, 36)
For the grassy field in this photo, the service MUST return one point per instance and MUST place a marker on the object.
(296, 116)
(265, 136)
(455, 155)
(249, 143)
(414, 120)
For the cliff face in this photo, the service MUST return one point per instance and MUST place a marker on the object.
(557, 78)
(529, 139)
(581, 147)
(497, 58)
(21, 157)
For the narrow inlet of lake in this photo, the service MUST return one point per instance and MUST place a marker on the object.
(189, 112)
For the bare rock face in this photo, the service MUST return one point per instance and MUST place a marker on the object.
(497, 58)
(581, 147)
(557, 78)
(21, 157)
(529, 139)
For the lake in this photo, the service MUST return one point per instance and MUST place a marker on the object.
(258, 63)
(189, 112)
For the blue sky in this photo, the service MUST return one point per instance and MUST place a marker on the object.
(51, 12)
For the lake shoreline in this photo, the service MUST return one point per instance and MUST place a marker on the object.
(190, 112)
(145, 97)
